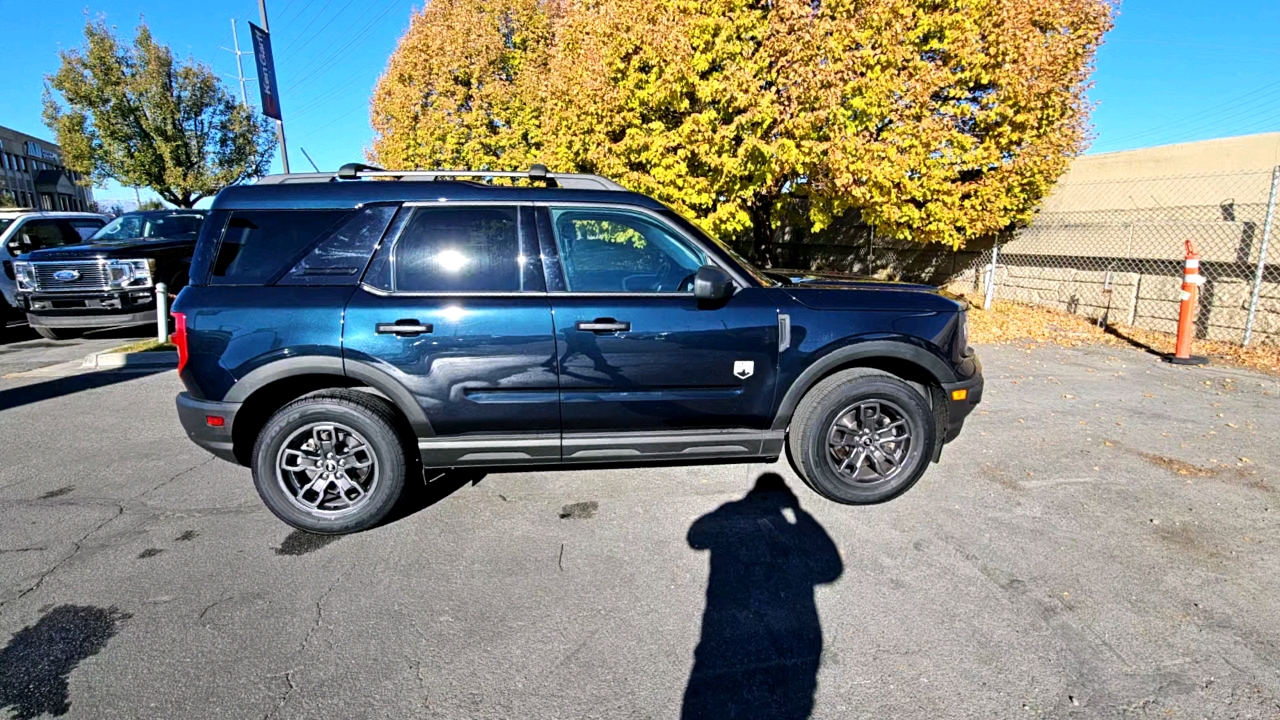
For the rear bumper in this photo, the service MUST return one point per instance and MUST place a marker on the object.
(958, 410)
(194, 415)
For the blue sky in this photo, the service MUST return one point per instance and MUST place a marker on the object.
(1171, 71)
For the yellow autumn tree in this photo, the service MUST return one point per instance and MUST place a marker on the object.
(947, 120)
(451, 97)
(936, 121)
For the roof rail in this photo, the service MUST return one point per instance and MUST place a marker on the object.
(535, 173)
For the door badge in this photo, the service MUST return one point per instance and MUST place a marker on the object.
(743, 369)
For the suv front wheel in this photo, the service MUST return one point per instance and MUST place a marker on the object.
(331, 463)
(861, 436)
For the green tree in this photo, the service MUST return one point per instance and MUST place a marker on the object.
(135, 115)
(934, 121)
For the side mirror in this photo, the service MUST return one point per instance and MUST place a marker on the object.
(711, 284)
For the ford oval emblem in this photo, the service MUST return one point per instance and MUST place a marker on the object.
(66, 275)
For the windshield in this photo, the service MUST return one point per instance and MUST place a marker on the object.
(4, 224)
(697, 232)
(129, 227)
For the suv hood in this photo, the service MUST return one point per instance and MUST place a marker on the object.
(839, 291)
(135, 248)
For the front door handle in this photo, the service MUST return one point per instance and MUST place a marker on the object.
(603, 325)
(406, 328)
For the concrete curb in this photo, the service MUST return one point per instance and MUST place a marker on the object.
(105, 360)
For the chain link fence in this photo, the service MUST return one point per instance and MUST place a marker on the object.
(1110, 250)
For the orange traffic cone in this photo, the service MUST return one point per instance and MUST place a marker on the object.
(1191, 282)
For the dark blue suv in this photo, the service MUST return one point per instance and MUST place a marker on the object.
(343, 332)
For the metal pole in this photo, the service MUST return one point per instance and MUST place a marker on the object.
(235, 39)
(991, 277)
(1262, 255)
(162, 312)
(284, 149)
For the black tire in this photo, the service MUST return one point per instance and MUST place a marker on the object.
(49, 333)
(825, 470)
(357, 419)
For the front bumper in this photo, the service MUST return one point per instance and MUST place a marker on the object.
(958, 410)
(89, 310)
(194, 416)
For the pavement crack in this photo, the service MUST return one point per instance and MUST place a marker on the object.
(306, 640)
(211, 606)
(320, 612)
(193, 468)
(284, 697)
(75, 550)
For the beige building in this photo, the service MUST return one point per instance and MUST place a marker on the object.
(1111, 238)
(32, 174)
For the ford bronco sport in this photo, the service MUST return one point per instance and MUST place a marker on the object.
(342, 332)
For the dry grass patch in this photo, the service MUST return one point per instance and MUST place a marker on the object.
(144, 346)
(1013, 323)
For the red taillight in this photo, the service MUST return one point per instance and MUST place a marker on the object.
(179, 338)
(215, 420)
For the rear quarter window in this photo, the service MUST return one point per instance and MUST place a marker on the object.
(207, 246)
(257, 246)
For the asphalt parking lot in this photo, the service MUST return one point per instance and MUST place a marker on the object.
(1100, 542)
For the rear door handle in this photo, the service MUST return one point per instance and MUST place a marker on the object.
(407, 328)
(603, 325)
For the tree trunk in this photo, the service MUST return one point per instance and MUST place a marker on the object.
(761, 212)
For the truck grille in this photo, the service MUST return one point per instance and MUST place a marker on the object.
(89, 275)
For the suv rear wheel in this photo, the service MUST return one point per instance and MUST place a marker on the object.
(331, 463)
(861, 436)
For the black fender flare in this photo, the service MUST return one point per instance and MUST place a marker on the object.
(853, 354)
(329, 365)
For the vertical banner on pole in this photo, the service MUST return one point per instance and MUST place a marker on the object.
(266, 72)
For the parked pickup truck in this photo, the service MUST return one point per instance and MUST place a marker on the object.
(23, 230)
(109, 280)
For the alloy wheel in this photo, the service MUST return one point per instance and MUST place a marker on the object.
(327, 468)
(869, 442)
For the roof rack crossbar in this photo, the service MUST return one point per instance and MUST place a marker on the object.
(536, 173)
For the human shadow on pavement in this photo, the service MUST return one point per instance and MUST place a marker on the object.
(761, 642)
(36, 664)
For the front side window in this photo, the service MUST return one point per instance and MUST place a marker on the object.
(618, 251)
(40, 234)
(461, 249)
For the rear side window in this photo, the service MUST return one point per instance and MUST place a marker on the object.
(343, 254)
(258, 245)
(86, 228)
(177, 227)
(463, 249)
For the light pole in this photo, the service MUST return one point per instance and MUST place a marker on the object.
(235, 39)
